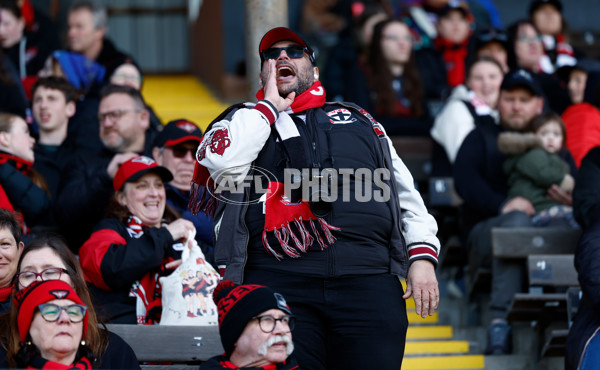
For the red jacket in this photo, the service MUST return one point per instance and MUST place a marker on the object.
(582, 122)
(117, 256)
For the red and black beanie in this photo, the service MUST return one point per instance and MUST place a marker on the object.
(28, 299)
(238, 304)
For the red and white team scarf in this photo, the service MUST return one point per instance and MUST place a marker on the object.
(291, 221)
(147, 290)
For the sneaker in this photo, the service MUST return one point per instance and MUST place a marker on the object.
(189, 314)
(499, 339)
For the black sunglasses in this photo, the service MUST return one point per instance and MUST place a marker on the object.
(292, 51)
(181, 151)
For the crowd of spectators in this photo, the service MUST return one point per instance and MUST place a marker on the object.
(512, 111)
(84, 156)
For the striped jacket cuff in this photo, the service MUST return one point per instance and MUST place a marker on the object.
(420, 251)
(267, 110)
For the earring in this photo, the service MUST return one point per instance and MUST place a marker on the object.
(28, 343)
(83, 342)
(316, 76)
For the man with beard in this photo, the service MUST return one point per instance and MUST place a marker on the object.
(311, 199)
(481, 182)
(255, 324)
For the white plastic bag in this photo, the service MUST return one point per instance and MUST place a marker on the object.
(187, 292)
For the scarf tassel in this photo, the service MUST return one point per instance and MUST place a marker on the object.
(283, 237)
(285, 233)
(201, 200)
(327, 230)
(268, 246)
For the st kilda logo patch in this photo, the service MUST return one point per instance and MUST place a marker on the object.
(340, 116)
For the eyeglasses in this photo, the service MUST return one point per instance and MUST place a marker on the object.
(27, 277)
(397, 37)
(181, 151)
(114, 115)
(267, 322)
(51, 312)
(529, 39)
(127, 78)
(292, 51)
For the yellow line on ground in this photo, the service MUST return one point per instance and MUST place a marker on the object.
(429, 332)
(436, 347)
(444, 362)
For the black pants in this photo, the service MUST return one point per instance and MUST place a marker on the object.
(356, 322)
(508, 275)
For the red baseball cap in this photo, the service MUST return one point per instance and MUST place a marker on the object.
(137, 167)
(283, 34)
(177, 132)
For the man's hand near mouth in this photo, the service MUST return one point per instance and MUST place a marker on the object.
(271, 90)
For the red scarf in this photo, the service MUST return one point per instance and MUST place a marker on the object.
(280, 213)
(5, 293)
(148, 288)
(201, 199)
(454, 56)
(41, 363)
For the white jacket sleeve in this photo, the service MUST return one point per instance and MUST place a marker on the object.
(233, 143)
(418, 226)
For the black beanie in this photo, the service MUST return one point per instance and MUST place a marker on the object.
(238, 304)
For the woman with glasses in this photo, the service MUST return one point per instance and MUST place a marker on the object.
(48, 328)
(135, 245)
(48, 257)
(525, 50)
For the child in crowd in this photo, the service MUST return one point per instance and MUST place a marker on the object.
(535, 163)
(454, 29)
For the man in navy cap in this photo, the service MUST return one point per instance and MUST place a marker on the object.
(175, 148)
(335, 259)
(481, 182)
